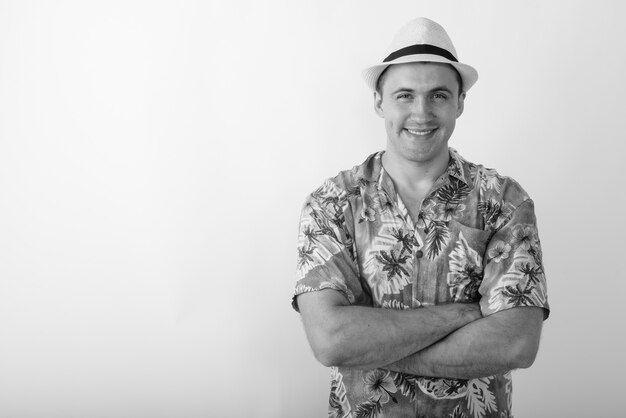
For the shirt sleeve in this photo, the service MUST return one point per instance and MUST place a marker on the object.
(325, 246)
(514, 274)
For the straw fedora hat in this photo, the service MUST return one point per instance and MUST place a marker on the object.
(421, 40)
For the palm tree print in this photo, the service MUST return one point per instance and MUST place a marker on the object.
(489, 179)
(475, 278)
(336, 400)
(407, 240)
(437, 238)
(454, 168)
(422, 219)
(395, 304)
(310, 234)
(452, 194)
(491, 211)
(338, 218)
(457, 413)
(304, 256)
(322, 224)
(331, 200)
(518, 296)
(533, 273)
(480, 399)
(392, 264)
(455, 386)
(368, 409)
(406, 384)
(535, 254)
(440, 388)
(335, 409)
(465, 271)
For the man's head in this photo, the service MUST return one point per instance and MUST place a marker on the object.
(420, 103)
(419, 89)
(420, 40)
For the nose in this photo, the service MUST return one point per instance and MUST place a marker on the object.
(421, 110)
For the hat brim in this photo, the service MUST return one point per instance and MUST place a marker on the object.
(468, 74)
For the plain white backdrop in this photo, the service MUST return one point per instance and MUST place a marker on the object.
(154, 157)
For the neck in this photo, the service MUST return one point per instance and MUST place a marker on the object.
(414, 174)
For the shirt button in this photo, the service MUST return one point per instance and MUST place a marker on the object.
(419, 254)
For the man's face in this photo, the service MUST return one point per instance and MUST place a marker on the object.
(420, 103)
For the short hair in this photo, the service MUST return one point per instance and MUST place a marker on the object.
(381, 79)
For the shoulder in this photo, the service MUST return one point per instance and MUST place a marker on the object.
(347, 184)
(497, 187)
(499, 196)
(491, 185)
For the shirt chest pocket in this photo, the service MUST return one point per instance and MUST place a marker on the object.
(465, 262)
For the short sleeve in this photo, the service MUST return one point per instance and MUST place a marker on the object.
(325, 257)
(514, 275)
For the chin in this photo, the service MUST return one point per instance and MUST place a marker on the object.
(420, 158)
(422, 154)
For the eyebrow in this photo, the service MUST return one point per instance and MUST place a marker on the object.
(441, 88)
(409, 90)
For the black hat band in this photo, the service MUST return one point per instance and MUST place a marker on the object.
(421, 49)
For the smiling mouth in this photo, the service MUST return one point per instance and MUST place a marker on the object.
(421, 132)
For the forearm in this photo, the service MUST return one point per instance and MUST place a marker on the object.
(370, 337)
(366, 337)
(488, 346)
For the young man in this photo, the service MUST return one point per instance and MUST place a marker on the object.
(420, 279)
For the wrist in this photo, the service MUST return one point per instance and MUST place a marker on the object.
(470, 312)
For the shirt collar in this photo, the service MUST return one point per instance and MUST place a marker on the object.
(458, 167)
(372, 169)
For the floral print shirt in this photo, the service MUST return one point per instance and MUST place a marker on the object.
(474, 240)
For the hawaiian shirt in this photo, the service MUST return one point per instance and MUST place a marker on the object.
(474, 240)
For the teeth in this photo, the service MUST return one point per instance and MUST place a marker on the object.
(421, 133)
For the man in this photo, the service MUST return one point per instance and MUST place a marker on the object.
(420, 279)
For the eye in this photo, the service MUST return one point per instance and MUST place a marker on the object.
(403, 96)
(440, 96)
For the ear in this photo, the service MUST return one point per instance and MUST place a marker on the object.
(461, 105)
(378, 104)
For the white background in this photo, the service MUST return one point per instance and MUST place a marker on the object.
(154, 157)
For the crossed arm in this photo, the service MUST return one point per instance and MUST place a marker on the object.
(452, 340)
